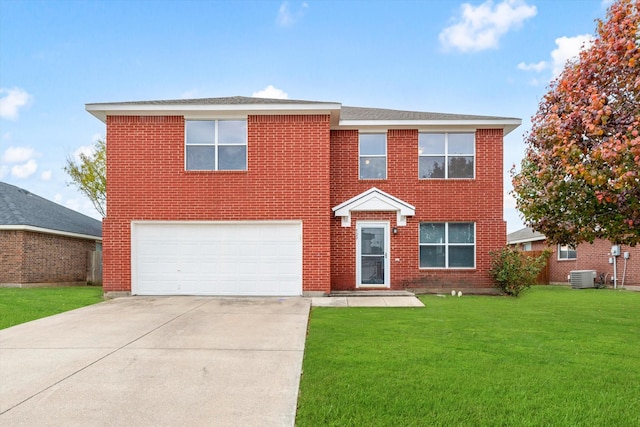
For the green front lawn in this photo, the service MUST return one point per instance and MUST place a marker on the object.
(552, 357)
(19, 305)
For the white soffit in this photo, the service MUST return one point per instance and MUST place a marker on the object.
(101, 111)
(374, 200)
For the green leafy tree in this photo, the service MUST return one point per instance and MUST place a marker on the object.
(580, 178)
(88, 174)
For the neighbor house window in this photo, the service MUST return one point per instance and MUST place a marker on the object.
(372, 150)
(447, 245)
(446, 155)
(527, 246)
(216, 145)
(566, 252)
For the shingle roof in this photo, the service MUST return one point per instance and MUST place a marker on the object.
(230, 100)
(526, 234)
(19, 207)
(346, 113)
(361, 113)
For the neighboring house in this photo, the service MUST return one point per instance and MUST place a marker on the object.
(41, 242)
(586, 256)
(251, 196)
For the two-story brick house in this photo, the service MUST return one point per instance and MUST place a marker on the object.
(252, 196)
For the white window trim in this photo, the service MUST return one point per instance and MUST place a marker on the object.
(446, 245)
(569, 247)
(446, 155)
(385, 156)
(216, 146)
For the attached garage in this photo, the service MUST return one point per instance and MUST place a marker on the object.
(216, 258)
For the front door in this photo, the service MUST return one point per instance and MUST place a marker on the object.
(372, 255)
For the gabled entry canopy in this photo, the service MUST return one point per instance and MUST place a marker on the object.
(374, 200)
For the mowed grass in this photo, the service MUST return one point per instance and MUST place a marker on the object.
(19, 305)
(552, 357)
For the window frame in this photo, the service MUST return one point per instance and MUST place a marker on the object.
(569, 249)
(216, 144)
(446, 154)
(446, 244)
(385, 155)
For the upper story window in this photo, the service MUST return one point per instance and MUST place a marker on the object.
(566, 252)
(447, 245)
(372, 150)
(216, 145)
(446, 155)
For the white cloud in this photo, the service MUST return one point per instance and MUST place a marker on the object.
(18, 154)
(4, 170)
(508, 201)
(46, 175)
(73, 204)
(286, 17)
(480, 27)
(87, 150)
(271, 92)
(568, 49)
(96, 137)
(537, 67)
(12, 100)
(189, 94)
(24, 170)
(58, 198)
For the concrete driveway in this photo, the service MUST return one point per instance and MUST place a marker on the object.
(157, 361)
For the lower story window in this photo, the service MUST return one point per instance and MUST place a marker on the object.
(447, 245)
(566, 252)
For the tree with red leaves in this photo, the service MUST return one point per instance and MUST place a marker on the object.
(580, 178)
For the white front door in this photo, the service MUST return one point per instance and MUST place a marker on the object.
(372, 255)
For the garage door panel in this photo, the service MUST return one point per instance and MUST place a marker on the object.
(217, 258)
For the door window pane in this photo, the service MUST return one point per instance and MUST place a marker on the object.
(372, 241)
(372, 270)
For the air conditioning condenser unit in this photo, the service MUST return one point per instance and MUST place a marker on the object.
(582, 279)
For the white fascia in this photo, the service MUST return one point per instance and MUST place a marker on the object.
(193, 111)
(49, 231)
(432, 125)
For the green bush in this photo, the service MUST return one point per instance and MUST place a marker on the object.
(513, 271)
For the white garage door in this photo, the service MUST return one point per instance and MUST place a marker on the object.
(221, 258)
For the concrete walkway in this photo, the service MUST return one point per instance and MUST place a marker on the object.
(163, 361)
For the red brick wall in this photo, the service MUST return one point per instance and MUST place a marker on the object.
(476, 200)
(594, 256)
(28, 257)
(287, 178)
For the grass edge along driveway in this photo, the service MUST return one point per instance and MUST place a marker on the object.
(554, 356)
(20, 305)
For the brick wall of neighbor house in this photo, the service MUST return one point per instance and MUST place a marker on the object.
(28, 257)
(475, 200)
(287, 179)
(594, 256)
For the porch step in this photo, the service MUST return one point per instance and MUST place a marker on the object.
(372, 293)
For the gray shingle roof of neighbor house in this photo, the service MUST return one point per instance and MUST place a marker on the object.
(342, 116)
(20, 209)
(523, 235)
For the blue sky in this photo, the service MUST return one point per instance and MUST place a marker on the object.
(477, 57)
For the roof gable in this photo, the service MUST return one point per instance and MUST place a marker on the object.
(20, 209)
(374, 200)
